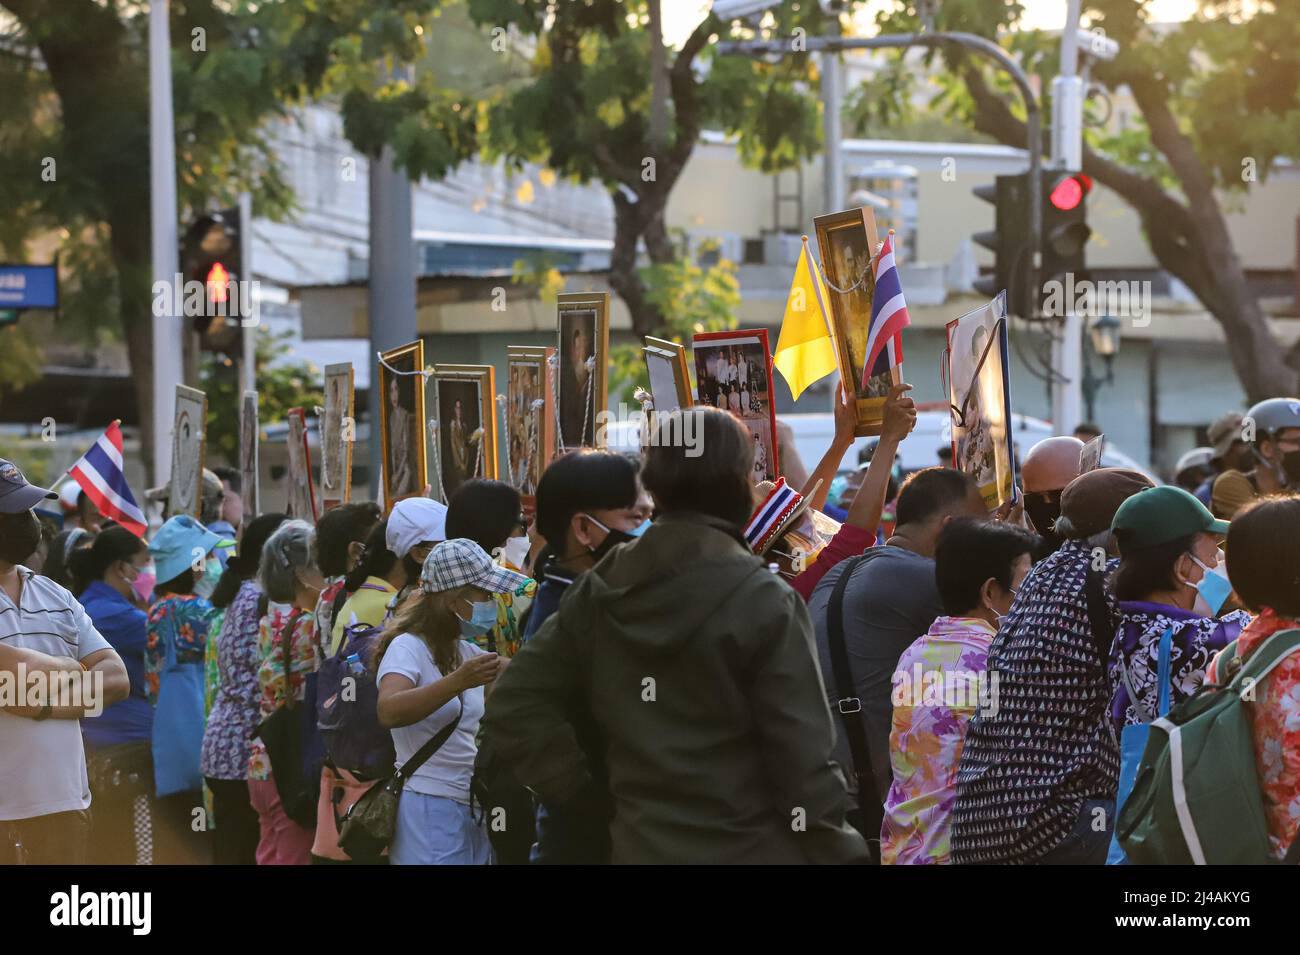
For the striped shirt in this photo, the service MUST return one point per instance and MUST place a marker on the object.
(43, 765)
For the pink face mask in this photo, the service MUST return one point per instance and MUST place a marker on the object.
(144, 582)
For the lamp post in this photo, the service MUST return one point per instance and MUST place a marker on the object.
(1104, 338)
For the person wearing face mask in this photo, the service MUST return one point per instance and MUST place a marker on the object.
(340, 545)
(490, 514)
(588, 501)
(432, 676)
(692, 667)
(1170, 577)
(118, 756)
(1049, 466)
(978, 567)
(1274, 429)
(44, 793)
(176, 642)
(289, 649)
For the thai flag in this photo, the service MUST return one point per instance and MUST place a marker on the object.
(99, 472)
(888, 316)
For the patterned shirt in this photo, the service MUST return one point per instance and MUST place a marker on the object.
(1196, 640)
(234, 706)
(181, 621)
(1026, 772)
(304, 658)
(1275, 728)
(936, 692)
(506, 637)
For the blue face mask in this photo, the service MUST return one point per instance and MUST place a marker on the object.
(208, 582)
(639, 529)
(481, 620)
(1212, 589)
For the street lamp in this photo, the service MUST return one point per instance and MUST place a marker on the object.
(1105, 339)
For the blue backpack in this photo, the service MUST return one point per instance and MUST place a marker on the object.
(347, 701)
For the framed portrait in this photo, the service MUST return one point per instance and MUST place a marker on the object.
(337, 429)
(582, 386)
(670, 381)
(302, 493)
(529, 431)
(733, 371)
(979, 393)
(248, 438)
(465, 409)
(189, 443)
(401, 422)
(847, 241)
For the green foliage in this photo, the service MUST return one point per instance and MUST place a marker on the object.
(34, 457)
(281, 385)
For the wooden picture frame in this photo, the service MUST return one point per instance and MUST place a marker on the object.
(529, 427)
(189, 447)
(301, 488)
(669, 359)
(405, 467)
(249, 436)
(581, 324)
(847, 243)
(459, 457)
(337, 432)
(738, 390)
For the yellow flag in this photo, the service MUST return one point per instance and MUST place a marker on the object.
(804, 351)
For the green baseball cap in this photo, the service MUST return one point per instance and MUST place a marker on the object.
(1159, 515)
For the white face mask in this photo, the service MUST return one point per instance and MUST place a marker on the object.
(515, 551)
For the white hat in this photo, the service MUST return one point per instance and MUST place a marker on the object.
(68, 495)
(413, 521)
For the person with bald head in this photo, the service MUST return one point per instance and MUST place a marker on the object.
(1050, 465)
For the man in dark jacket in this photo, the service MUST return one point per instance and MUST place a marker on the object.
(698, 670)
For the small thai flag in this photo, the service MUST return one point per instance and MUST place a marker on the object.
(888, 316)
(99, 472)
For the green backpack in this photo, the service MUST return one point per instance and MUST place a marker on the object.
(1196, 799)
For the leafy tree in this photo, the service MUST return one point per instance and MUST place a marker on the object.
(1219, 97)
(281, 385)
(606, 103)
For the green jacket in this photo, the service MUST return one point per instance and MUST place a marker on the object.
(697, 669)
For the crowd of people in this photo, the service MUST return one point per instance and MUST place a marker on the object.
(656, 661)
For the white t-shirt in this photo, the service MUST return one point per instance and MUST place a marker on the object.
(447, 772)
(43, 765)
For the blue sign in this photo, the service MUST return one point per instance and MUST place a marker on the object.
(29, 286)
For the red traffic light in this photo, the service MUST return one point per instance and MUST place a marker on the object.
(1069, 192)
(218, 283)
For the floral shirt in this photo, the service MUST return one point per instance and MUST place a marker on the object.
(304, 658)
(937, 689)
(1275, 726)
(1196, 640)
(234, 706)
(507, 636)
(179, 623)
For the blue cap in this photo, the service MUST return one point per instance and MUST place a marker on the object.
(179, 543)
(16, 495)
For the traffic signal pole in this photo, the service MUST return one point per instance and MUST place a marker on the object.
(978, 44)
(166, 327)
(1067, 150)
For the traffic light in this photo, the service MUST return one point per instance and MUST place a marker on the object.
(1065, 228)
(210, 256)
(1010, 198)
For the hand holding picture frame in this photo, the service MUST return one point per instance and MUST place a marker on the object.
(847, 243)
(670, 380)
(733, 371)
(465, 408)
(401, 422)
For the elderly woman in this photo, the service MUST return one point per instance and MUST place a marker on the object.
(289, 649)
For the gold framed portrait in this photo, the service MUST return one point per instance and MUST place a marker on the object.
(670, 378)
(529, 428)
(582, 378)
(464, 405)
(401, 422)
(847, 243)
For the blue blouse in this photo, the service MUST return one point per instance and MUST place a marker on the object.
(123, 625)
